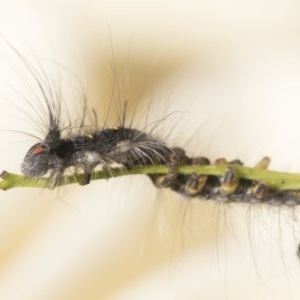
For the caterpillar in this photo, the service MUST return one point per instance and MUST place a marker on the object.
(128, 147)
(88, 148)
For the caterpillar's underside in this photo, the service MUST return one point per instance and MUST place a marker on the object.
(227, 188)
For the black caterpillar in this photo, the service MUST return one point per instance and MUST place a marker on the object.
(130, 147)
(85, 150)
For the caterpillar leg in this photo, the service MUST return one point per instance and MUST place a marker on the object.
(192, 185)
(261, 190)
(263, 164)
(188, 185)
(176, 158)
(230, 180)
(86, 179)
(88, 175)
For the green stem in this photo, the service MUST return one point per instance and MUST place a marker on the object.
(277, 180)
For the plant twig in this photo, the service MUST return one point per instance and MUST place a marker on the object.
(279, 181)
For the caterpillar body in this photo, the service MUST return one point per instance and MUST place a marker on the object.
(84, 150)
(128, 147)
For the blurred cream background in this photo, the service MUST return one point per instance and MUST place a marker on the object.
(230, 69)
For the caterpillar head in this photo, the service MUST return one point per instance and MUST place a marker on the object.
(37, 160)
(41, 156)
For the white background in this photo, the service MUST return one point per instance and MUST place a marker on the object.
(238, 95)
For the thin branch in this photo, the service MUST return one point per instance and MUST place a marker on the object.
(279, 181)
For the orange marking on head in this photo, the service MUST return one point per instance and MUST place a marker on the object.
(38, 150)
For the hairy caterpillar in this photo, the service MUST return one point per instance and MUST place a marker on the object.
(127, 147)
